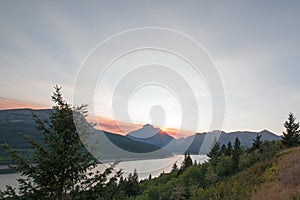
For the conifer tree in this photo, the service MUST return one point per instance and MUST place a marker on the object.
(195, 163)
(223, 149)
(187, 162)
(256, 143)
(174, 167)
(291, 136)
(236, 153)
(131, 185)
(229, 149)
(215, 150)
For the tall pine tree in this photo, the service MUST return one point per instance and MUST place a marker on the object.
(256, 143)
(131, 184)
(291, 136)
(187, 162)
(215, 150)
(229, 149)
(236, 154)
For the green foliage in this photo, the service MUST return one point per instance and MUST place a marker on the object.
(211, 175)
(131, 186)
(174, 167)
(214, 154)
(270, 173)
(236, 154)
(291, 136)
(187, 162)
(223, 149)
(224, 166)
(256, 143)
(229, 149)
(215, 150)
(217, 179)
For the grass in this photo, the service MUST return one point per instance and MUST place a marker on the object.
(275, 177)
(286, 181)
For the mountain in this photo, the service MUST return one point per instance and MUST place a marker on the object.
(16, 121)
(147, 142)
(147, 131)
(247, 137)
(150, 135)
(198, 143)
(130, 145)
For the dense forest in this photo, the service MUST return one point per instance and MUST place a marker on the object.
(63, 170)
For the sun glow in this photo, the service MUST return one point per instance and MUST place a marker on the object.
(164, 129)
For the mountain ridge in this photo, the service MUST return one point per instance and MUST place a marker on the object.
(14, 121)
(194, 143)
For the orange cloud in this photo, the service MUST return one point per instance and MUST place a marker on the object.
(113, 126)
(12, 104)
(176, 133)
(123, 128)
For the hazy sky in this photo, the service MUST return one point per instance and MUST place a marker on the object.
(255, 46)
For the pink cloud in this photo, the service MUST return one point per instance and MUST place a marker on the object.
(12, 104)
(113, 126)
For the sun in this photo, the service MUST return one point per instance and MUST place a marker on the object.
(163, 129)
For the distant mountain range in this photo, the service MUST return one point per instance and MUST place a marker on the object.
(197, 143)
(16, 121)
(145, 140)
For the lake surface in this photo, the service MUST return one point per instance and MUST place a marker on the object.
(144, 168)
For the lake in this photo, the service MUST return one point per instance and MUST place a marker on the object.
(144, 168)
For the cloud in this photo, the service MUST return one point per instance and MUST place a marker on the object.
(113, 126)
(124, 128)
(12, 104)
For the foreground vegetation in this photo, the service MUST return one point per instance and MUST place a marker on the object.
(64, 170)
(220, 178)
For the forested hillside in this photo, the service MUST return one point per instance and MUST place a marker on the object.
(264, 173)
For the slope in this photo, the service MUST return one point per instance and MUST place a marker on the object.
(283, 178)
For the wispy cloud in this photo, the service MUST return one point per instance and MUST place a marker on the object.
(113, 126)
(13, 104)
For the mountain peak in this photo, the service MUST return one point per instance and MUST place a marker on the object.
(146, 131)
(152, 135)
(265, 131)
(148, 125)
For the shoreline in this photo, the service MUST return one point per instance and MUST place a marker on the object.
(5, 169)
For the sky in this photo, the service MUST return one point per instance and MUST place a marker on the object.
(253, 45)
